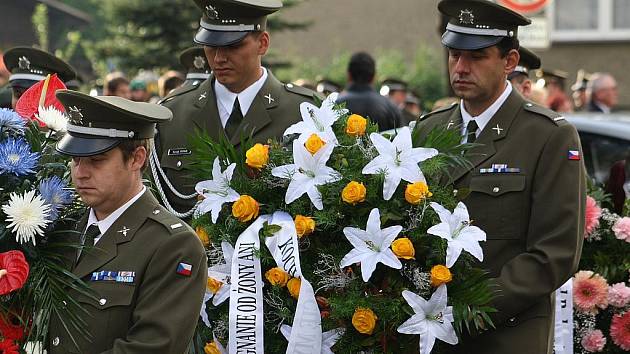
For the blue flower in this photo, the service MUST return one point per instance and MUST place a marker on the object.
(16, 157)
(53, 192)
(10, 120)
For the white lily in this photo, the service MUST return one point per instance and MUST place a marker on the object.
(329, 338)
(216, 191)
(317, 120)
(456, 229)
(371, 245)
(432, 319)
(222, 273)
(398, 159)
(306, 173)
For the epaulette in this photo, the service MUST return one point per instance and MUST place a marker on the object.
(168, 220)
(178, 92)
(299, 90)
(441, 109)
(553, 116)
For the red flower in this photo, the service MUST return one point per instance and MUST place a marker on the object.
(9, 330)
(8, 346)
(620, 330)
(13, 271)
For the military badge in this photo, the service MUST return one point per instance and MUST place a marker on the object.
(184, 269)
(199, 62)
(75, 115)
(466, 17)
(24, 63)
(212, 13)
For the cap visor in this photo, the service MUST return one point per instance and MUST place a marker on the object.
(73, 145)
(22, 83)
(463, 41)
(218, 38)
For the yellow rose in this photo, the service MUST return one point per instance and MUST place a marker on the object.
(353, 193)
(277, 276)
(245, 208)
(294, 287)
(213, 285)
(417, 192)
(304, 225)
(403, 248)
(364, 320)
(203, 235)
(257, 156)
(314, 143)
(356, 125)
(440, 275)
(211, 348)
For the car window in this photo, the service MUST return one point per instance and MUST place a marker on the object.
(601, 152)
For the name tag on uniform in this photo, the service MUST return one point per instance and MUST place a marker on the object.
(500, 168)
(114, 276)
(179, 152)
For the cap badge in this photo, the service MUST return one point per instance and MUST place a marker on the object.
(75, 115)
(212, 13)
(199, 62)
(24, 63)
(466, 17)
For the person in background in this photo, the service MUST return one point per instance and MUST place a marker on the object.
(116, 84)
(580, 98)
(170, 81)
(554, 82)
(602, 90)
(520, 76)
(327, 86)
(412, 104)
(525, 181)
(139, 91)
(29, 66)
(146, 267)
(194, 60)
(396, 90)
(361, 97)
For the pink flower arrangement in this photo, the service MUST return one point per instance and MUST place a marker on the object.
(620, 330)
(593, 341)
(618, 295)
(592, 214)
(590, 292)
(621, 228)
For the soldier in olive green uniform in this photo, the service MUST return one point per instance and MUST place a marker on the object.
(146, 267)
(526, 182)
(241, 98)
(520, 76)
(196, 64)
(29, 66)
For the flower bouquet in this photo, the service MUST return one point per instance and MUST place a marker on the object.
(602, 311)
(337, 241)
(36, 205)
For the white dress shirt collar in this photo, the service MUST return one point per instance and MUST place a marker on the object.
(485, 116)
(225, 97)
(105, 224)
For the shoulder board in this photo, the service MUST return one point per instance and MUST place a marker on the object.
(441, 109)
(178, 92)
(173, 224)
(299, 90)
(553, 116)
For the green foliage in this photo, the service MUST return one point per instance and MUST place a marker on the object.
(40, 25)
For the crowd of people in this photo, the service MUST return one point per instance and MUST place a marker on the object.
(533, 215)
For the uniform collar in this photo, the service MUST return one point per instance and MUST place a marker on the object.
(485, 116)
(225, 97)
(105, 224)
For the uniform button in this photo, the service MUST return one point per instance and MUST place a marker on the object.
(528, 104)
(64, 303)
(156, 211)
(102, 302)
(512, 320)
(55, 341)
(179, 164)
(290, 85)
(496, 189)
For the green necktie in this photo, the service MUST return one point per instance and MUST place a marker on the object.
(88, 239)
(231, 126)
(471, 130)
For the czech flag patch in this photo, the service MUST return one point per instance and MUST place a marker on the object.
(184, 269)
(574, 154)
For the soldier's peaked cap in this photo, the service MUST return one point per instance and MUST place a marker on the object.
(477, 24)
(30, 65)
(98, 124)
(195, 62)
(529, 61)
(226, 22)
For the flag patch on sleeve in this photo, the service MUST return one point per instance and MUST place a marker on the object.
(574, 154)
(184, 269)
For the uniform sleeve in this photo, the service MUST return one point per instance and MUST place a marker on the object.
(555, 230)
(168, 303)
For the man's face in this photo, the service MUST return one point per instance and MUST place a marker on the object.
(122, 91)
(139, 95)
(237, 66)
(398, 97)
(608, 93)
(523, 85)
(104, 181)
(478, 76)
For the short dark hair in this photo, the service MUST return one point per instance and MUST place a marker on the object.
(507, 44)
(128, 146)
(362, 68)
(113, 84)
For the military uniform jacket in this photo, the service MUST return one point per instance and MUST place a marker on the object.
(533, 218)
(275, 108)
(155, 310)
